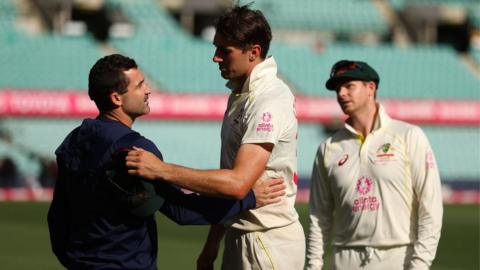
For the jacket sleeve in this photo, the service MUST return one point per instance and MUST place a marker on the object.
(321, 207)
(191, 209)
(194, 209)
(427, 189)
(58, 218)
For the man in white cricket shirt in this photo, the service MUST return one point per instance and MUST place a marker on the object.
(375, 190)
(259, 141)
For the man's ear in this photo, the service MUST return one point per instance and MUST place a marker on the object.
(255, 52)
(116, 98)
(372, 87)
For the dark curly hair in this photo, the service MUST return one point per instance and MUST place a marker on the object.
(107, 76)
(244, 27)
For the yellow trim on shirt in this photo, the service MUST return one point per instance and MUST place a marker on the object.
(266, 251)
(361, 138)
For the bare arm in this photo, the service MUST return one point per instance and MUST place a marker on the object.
(233, 183)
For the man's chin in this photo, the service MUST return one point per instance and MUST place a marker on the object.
(346, 110)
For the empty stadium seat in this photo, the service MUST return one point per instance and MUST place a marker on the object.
(344, 16)
(413, 72)
(47, 62)
(197, 144)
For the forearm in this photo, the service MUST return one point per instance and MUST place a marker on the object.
(215, 236)
(218, 183)
(231, 183)
(193, 209)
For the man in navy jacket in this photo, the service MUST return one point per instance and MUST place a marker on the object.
(102, 218)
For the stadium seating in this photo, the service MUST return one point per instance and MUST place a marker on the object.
(345, 16)
(462, 3)
(457, 151)
(169, 56)
(472, 6)
(476, 55)
(197, 144)
(177, 62)
(27, 165)
(47, 62)
(413, 72)
(474, 13)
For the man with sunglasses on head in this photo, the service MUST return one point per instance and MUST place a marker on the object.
(375, 189)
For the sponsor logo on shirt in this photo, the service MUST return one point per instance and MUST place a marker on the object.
(343, 160)
(265, 125)
(365, 202)
(385, 153)
(364, 185)
(266, 117)
(430, 160)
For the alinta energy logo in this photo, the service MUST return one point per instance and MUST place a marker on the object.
(265, 125)
(364, 185)
(365, 202)
(266, 117)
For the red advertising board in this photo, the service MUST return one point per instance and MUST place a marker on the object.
(69, 104)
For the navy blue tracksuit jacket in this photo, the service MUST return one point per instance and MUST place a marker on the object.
(93, 227)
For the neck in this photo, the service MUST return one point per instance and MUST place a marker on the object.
(240, 81)
(118, 116)
(364, 120)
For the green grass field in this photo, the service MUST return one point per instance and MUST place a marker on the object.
(24, 242)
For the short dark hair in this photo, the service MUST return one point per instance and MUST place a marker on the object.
(244, 27)
(107, 76)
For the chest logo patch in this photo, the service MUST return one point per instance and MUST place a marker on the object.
(385, 153)
(343, 160)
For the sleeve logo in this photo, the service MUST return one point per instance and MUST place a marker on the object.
(265, 125)
(266, 117)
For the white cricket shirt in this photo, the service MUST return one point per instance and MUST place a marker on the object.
(381, 191)
(264, 112)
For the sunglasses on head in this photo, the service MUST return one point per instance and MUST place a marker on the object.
(342, 67)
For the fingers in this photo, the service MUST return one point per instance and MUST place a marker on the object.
(131, 162)
(277, 187)
(277, 196)
(133, 172)
(274, 181)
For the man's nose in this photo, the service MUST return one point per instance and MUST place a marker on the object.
(216, 58)
(341, 91)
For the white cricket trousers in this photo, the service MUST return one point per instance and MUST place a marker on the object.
(371, 258)
(274, 249)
